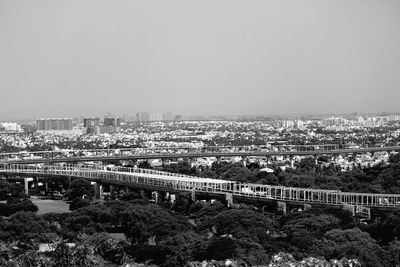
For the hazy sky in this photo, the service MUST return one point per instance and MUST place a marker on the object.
(71, 58)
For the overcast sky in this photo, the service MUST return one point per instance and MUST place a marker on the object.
(90, 57)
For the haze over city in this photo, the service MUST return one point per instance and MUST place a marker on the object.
(68, 58)
(199, 133)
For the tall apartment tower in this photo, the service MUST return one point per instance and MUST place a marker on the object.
(54, 124)
(112, 121)
(91, 125)
(111, 125)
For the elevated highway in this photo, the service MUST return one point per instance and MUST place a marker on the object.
(69, 156)
(170, 182)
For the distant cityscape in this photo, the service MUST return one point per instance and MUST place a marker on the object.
(111, 124)
(152, 129)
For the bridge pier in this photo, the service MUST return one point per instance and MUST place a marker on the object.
(282, 207)
(26, 186)
(229, 199)
(291, 162)
(244, 161)
(172, 198)
(193, 195)
(98, 190)
(159, 196)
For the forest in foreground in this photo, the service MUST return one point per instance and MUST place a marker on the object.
(135, 231)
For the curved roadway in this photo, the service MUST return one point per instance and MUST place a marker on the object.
(170, 182)
(167, 153)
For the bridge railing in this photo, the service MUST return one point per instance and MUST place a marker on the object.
(187, 183)
(126, 169)
(158, 181)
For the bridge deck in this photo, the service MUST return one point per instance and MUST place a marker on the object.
(164, 153)
(168, 181)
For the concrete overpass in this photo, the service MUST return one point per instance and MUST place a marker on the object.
(180, 152)
(170, 182)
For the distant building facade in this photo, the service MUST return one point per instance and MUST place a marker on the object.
(10, 127)
(91, 125)
(105, 125)
(112, 121)
(154, 116)
(111, 125)
(54, 124)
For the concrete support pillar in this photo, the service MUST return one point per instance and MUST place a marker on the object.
(244, 161)
(26, 186)
(98, 189)
(291, 162)
(282, 207)
(229, 199)
(35, 183)
(172, 198)
(158, 197)
(193, 195)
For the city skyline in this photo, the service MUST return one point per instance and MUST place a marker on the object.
(134, 116)
(64, 59)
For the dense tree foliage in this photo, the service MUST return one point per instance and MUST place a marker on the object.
(134, 230)
(165, 237)
(14, 205)
(78, 203)
(10, 190)
(80, 188)
(352, 243)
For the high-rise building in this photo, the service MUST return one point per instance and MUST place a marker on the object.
(90, 122)
(111, 125)
(112, 121)
(154, 116)
(91, 125)
(54, 124)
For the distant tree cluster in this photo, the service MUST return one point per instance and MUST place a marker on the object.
(10, 190)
